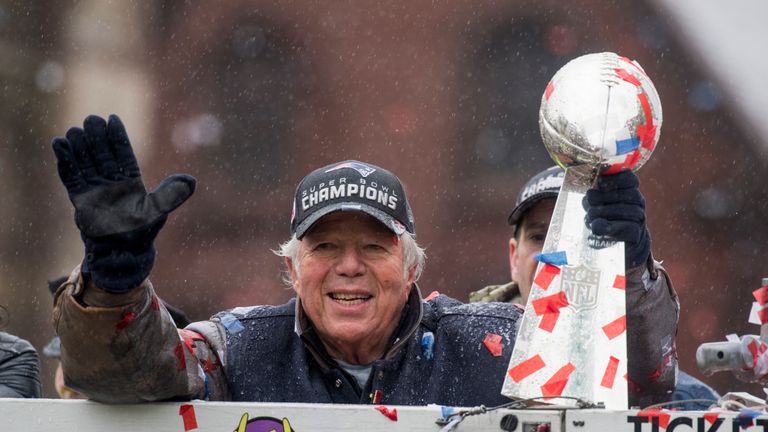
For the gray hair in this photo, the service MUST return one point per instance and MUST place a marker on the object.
(414, 256)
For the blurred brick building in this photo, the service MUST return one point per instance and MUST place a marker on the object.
(249, 96)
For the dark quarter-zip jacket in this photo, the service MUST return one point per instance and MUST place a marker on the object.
(125, 348)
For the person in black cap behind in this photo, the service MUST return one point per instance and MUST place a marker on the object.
(358, 330)
(615, 207)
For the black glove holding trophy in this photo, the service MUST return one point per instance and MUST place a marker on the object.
(600, 119)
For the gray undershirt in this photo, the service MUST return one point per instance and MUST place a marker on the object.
(360, 372)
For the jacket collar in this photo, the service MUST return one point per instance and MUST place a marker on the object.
(409, 323)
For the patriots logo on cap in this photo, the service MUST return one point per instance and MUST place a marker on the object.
(361, 168)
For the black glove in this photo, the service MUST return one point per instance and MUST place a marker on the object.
(117, 218)
(616, 208)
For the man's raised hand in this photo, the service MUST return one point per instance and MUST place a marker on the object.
(117, 218)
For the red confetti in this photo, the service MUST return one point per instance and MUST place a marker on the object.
(179, 353)
(432, 295)
(526, 368)
(634, 65)
(650, 413)
(649, 130)
(632, 158)
(187, 413)
(190, 344)
(615, 327)
(392, 415)
(548, 321)
(711, 416)
(209, 365)
(546, 275)
(613, 169)
(127, 318)
(655, 375)
(549, 90)
(756, 350)
(628, 77)
(493, 342)
(646, 134)
(763, 315)
(191, 334)
(154, 305)
(629, 161)
(549, 309)
(620, 282)
(632, 386)
(556, 384)
(610, 372)
(665, 362)
(646, 109)
(377, 396)
(551, 303)
(189, 337)
(761, 295)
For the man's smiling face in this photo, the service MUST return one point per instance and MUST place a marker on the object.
(351, 280)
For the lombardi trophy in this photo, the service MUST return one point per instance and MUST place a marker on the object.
(599, 114)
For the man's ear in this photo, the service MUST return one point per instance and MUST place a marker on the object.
(411, 276)
(294, 271)
(513, 259)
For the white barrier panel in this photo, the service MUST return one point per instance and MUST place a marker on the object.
(669, 421)
(43, 415)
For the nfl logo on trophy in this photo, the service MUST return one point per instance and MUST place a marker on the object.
(580, 284)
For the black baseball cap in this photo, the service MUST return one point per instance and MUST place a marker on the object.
(545, 184)
(351, 186)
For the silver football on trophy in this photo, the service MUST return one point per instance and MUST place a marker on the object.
(600, 113)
